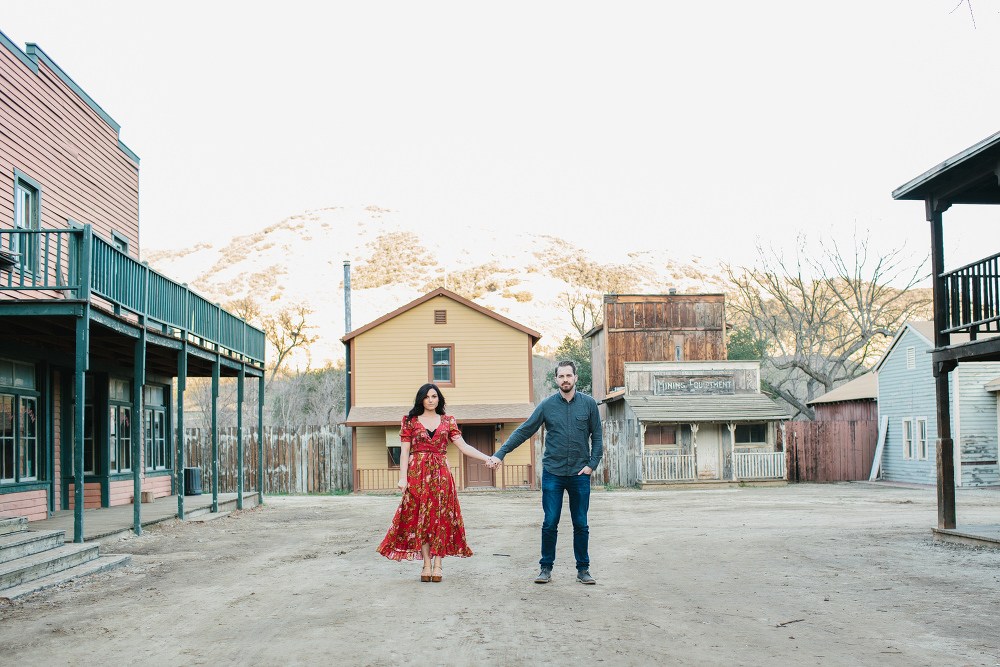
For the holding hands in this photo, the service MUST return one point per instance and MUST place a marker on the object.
(493, 463)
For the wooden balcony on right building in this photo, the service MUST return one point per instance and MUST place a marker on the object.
(966, 299)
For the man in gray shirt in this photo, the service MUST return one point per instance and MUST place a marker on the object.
(573, 448)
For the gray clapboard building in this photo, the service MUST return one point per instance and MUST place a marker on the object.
(906, 396)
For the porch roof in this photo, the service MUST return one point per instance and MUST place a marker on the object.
(685, 409)
(469, 413)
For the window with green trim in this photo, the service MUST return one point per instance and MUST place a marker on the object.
(119, 426)
(27, 211)
(157, 451)
(19, 453)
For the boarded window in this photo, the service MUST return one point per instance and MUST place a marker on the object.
(660, 434)
(440, 317)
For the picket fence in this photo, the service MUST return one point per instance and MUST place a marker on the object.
(308, 459)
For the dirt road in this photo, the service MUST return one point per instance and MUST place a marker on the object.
(843, 574)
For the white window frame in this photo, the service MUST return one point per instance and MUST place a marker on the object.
(921, 448)
(907, 438)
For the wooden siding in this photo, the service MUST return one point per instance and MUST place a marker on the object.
(908, 394)
(847, 411)
(33, 505)
(977, 420)
(599, 388)
(55, 138)
(490, 364)
(648, 327)
(832, 451)
(159, 485)
(91, 495)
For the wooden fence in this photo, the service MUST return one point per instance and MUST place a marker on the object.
(830, 451)
(622, 462)
(309, 459)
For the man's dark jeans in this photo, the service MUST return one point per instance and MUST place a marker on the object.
(578, 488)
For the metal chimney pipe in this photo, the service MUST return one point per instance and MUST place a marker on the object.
(347, 296)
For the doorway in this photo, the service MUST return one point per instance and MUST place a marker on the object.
(709, 451)
(481, 437)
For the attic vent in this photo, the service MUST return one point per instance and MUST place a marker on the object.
(440, 317)
(911, 358)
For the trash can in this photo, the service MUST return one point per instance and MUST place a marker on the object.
(192, 481)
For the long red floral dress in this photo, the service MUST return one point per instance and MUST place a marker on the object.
(429, 512)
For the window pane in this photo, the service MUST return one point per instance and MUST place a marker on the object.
(89, 467)
(6, 373)
(24, 376)
(6, 437)
(394, 456)
(442, 356)
(442, 374)
(113, 438)
(147, 449)
(125, 438)
(28, 426)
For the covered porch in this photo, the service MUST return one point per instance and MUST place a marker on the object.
(106, 345)
(966, 299)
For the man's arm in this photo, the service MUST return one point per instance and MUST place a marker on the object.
(596, 437)
(521, 433)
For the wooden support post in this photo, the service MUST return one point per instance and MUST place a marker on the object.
(694, 447)
(138, 381)
(239, 437)
(732, 450)
(216, 371)
(179, 461)
(945, 448)
(260, 439)
(81, 365)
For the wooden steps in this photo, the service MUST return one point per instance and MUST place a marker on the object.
(33, 560)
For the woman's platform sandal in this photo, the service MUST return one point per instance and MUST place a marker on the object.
(437, 574)
(425, 574)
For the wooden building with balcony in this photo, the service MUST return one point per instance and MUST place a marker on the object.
(95, 347)
(966, 298)
(482, 362)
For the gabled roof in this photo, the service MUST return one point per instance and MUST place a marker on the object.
(449, 295)
(860, 388)
(966, 178)
(925, 330)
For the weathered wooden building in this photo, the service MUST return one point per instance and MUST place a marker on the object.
(856, 400)
(906, 398)
(481, 360)
(674, 409)
(91, 339)
(654, 327)
(966, 299)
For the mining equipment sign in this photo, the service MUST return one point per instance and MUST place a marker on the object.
(673, 385)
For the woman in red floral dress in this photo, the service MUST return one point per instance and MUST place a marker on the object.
(429, 520)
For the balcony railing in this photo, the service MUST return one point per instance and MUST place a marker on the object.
(79, 264)
(973, 297)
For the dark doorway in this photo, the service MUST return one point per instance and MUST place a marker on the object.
(480, 437)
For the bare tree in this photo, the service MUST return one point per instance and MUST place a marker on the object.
(584, 307)
(826, 315)
(288, 331)
(245, 308)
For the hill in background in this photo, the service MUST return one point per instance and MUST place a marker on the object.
(394, 259)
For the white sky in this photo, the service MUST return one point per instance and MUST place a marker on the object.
(697, 126)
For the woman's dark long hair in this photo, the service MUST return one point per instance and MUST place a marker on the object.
(418, 402)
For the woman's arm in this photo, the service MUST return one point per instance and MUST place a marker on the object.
(469, 450)
(404, 463)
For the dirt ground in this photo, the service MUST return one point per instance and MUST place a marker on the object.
(840, 574)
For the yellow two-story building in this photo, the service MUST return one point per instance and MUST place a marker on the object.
(482, 362)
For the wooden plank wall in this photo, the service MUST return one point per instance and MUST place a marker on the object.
(55, 138)
(647, 328)
(860, 410)
(620, 465)
(310, 459)
(830, 451)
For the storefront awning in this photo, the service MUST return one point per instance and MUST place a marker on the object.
(687, 409)
(473, 413)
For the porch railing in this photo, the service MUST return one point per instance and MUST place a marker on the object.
(79, 264)
(668, 467)
(384, 479)
(760, 465)
(517, 475)
(973, 297)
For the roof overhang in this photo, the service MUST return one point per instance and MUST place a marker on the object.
(690, 409)
(861, 388)
(970, 177)
(473, 413)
